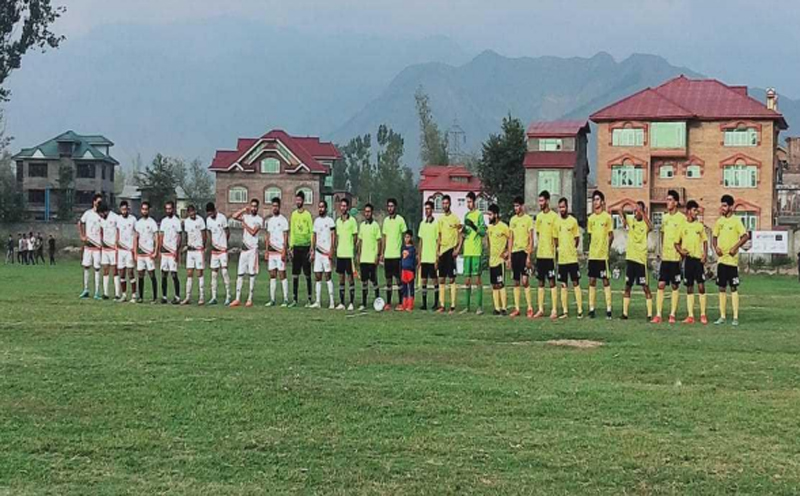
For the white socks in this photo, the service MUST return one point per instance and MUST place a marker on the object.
(273, 288)
(227, 280)
(319, 292)
(86, 279)
(330, 291)
(239, 282)
(117, 286)
(213, 285)
(105, 285)
(285, 288)
(189, 281)
(252, 287)
(96, 282)
(202, 288)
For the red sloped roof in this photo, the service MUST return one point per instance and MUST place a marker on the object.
(438, 178)
(320, 150)
(683, 98)
(550, 160)
(308, 150)
(557, 129)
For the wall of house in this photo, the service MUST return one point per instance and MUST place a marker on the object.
(258, 183)
(532, 188)
(568, 144)
(705, 142)
(580, 180)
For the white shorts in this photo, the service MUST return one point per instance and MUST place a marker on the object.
(275, 262)
(91, 258)
(144, 263)
(248, 262)
(109, 257)
(219, 260)
(322, 263)
(195, 259)
(124, 259)
(169, 263)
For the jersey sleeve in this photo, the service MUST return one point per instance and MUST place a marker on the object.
(403, 223)
(741, 230)
(716, 230)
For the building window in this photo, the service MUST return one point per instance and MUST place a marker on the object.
(270, 166)
(309, 194)
(617, 221)
(36, 196)
(627, 137)
(668, 135)
(20, 171)
(329, 181)
(627, 176)
(102, 171)
(272, 192)
(749, 219)
(437, 204)
(666, 171)
(694, 172)
(745, 136)
(86, 171)
(37, 170)
(65, 149)
(483, 204)
(551, 144)
(462, 202)
(237, 195)
(459, 179)
(112, 173)
(550, 181)
(658, 217)
(84, 197)
(740, 176)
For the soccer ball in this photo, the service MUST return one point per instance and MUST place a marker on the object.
(378, 304)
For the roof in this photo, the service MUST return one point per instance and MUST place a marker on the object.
(550, 160)
(438, 178)
(309, 151)
(86, 144)
(681, 98)
(557, 129)
(131, 192)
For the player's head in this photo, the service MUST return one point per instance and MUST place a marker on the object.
(446, 203)
(598, 200)
(471, 200)
(726, 205)
(408, 237)
(191, 211)
(254, 203)
(673, 200)
(169, 208)
(344, 207)
(692, 209)
(102, 209)
(322, 208)
(145, 209)
(428, 209)
(544, 200)
(641, 210)
(276, 206)
(96, 199)
(494, 213)
(563, 207)
(299, 199)
(124, 209)
(211, 210)
(391, 206)
(368, 211)
(519, 205)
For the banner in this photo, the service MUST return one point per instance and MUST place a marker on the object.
(770, 242)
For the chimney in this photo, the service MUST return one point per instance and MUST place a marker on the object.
(772, 99)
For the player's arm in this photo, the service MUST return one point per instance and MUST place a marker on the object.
(382, 244)
(530, 248)
(460, 241)
(509, 248)
(82, 230)
(705, 247)
(334, 240)
(742, 240)
(237, 216)
(135, 244)
(159, 240)
(715, 241)
(313, 245)
(610, 239)
(285, 244)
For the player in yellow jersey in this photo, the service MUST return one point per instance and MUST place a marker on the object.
(521, 246)
(728, 237)
(546, 254)
(693, 247)
(600, 227)
(450, 239)
(639, 226)
(670, 271)
(498, 234)
(568, 238)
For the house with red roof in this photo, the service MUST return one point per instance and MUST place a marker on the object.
(274, 165)
(436, 181)
(556, 162)
(700, 137)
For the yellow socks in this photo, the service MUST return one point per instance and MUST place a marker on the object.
(723, 302)
(579, 299)
(442, 292)
(540, 299)
(607, 291)
(703, 303)
(659, 302)
(649, 308)
(690, 304)
(517, 292)
(735, 302)
(674, 302)
(592, 297)
(626, 305)
(528, 297)
(496, 299)
(554, 297)
(564, 300)
(503, 298)
(453, 295)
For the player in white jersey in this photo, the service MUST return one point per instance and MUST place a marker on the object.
(126, 231)
(108, 257)
(196, 239)
(277, 242)
(248, 257)
(145, 250)
(170, 241)
(322, 241)
(217, 226)
(91, 232)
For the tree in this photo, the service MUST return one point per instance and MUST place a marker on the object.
(358, 162)
(340, 176)
(158, 182)
(389, 170)
(500, 168)
(12, 202)
(119, 181)
(197, 183)
(66, 190)
(24, 24)
(137, 166)
(432, 142)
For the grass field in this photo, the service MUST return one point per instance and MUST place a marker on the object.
(104, 398)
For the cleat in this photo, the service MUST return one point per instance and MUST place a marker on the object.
(105, 298)
(98, 297)
(340, 306)
(440, 310)
(164, 300)
(623, 317)
(200, 303)
(554, 316)
(249, 304)
(514, 313)
(735, 322)
(704, 320)
(496, 312)
(409, 309)
(479, 311)
(464, 311)
(185, 302)
(285, 304)
(227, 302)
(122, 299)
(362, 308)
(504, 312)
(212, 301)
(84, 295)
(292, 304)
(235, 303)
(530, 313)
(452, 311)
(672, 319)
(331, 306)
(539, 314)
(608, 315)
(580, 316)
(176, 300)
(399, 308)
(592, 314)
(387, 308)
(656, 320)
(350, 307)
(563, 316)
(308, 304)
(720, 321)
(688, 320)
(133, 300)
(154, 302)
(314, 305)
(270, 303)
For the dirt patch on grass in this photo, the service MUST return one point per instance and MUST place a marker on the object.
(576, 343)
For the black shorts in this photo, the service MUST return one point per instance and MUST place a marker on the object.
(369, 273)
(727, 275)
(635, 274)
(447, 265)
(694, 272)
(428, 270)
(519, 265)
(598, 269)
(391, 268)
(569, 271)
(300, 261)
(344, 265)
(497, 276)
(545, 269)
(670, 272)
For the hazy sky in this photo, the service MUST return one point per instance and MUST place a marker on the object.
(738, 41)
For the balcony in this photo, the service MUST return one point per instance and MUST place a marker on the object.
(659, 195)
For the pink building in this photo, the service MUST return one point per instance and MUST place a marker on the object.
(454, 180)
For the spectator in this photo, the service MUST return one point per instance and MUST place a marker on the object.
(40, 247)
(32, 248)
(23, 248)
(10, 249)
(51, 248)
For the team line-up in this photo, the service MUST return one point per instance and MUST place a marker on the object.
(120, 245)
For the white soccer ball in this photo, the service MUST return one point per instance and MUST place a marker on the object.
(378, 304)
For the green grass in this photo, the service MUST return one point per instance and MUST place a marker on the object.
(103, 398)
